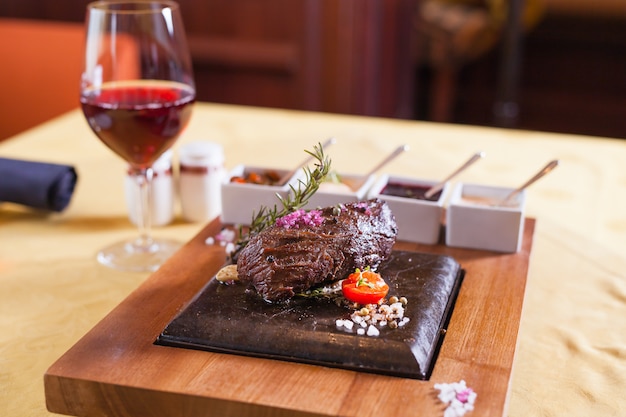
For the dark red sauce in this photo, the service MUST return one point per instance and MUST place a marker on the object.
(417, 192)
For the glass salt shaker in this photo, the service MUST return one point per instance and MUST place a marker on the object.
(201, 172)
(161, 193)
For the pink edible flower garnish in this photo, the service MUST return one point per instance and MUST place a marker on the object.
(458, 397)
(363, 205)
(299, 218)
(464, 395)
(226, 235)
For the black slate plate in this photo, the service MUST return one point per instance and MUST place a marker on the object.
(233, 319)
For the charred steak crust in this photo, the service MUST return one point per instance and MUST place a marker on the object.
(280, 262)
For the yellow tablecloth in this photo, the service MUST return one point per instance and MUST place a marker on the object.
(571, 358)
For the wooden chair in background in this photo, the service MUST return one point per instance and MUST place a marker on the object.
(451, 34)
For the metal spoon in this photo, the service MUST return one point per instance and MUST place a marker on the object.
(285, 178)
(393, 155)
(437, 187)
(549, 167)
(355, 185)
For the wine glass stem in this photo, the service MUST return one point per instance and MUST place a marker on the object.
(143, 181)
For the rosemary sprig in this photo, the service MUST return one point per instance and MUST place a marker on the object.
(296, 199)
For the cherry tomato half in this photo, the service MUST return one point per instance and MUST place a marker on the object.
(364, 287)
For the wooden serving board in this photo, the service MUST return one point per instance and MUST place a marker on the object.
(116, 369)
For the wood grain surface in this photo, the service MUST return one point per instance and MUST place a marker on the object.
(117, 370)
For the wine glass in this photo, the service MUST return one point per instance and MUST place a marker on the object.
(137, 94)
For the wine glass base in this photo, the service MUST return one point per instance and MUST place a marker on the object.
(137, 256)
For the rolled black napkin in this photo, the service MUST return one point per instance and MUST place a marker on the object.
(38, 185)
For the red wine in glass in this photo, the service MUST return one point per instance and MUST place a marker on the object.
(138, 120)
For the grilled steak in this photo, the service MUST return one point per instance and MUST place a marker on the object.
(305, 249)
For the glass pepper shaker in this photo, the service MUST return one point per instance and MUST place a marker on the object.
(201, 173)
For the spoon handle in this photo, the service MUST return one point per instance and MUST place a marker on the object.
(549, 167)
(437, 187)
(290, 174)
(385, 161)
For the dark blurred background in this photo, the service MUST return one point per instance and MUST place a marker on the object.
(552, 65)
